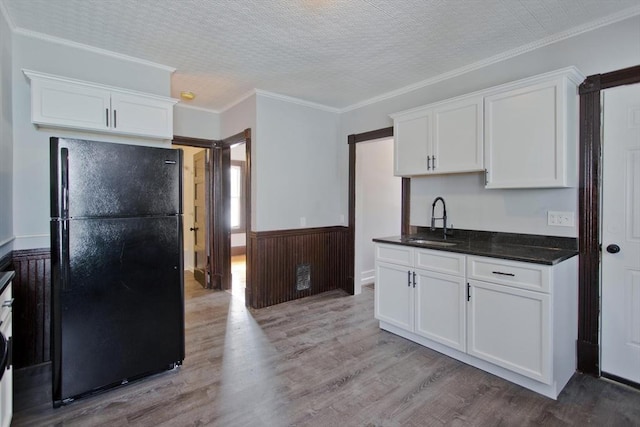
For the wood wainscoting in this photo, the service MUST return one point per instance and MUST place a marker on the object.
(32, 307)
(277, 254)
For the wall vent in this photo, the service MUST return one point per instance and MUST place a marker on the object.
(303, 277)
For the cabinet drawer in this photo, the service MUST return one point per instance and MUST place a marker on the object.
(518, 274)
(396, 254)
(440, 261)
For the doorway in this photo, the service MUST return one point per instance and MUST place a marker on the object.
(620, 284)
(378, 204)
(196, 198)
(237, 219)
(218, 234)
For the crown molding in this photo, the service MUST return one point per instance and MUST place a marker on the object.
(298, 101)
(180, 104)
(7, 17)
(242, 98)
(572, 32)
(100, 51)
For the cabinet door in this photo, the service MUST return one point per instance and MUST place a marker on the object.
(511, 328)
(526, 136)
(440, 308)
(140, 115)
(394, 295)
(412, 144)
(458, 136)
(69, 105)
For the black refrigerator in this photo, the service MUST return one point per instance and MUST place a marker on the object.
(117, 264)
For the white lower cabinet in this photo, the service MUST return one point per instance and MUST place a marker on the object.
(422, 300)
(513, 319)
(394, 301)
(510, 328)
(440, 308)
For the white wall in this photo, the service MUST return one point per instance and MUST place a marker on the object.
(469, 204)
(298, 174)
(195, 122)
(31, 144)
(6, 140)
(378, 204)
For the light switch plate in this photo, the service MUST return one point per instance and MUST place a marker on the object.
(561, 219)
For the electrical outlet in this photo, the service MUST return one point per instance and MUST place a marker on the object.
(561, 219)
(303, 221)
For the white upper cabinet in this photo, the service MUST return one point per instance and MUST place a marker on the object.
(531, 132)
(412, 143)
(67, 103)
(457, 136)
(440, 138)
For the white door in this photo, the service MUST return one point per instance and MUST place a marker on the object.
(621, 230)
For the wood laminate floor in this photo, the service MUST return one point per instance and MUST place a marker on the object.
(318, 361)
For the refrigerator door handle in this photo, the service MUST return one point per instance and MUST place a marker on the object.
(64, 160)
(63, 247)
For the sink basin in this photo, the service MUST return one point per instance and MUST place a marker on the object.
(432, 242)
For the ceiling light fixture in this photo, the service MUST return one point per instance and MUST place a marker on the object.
(187, 95)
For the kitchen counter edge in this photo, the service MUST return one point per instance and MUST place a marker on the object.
(513, 252)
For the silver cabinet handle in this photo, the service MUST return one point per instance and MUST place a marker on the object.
(8, 303)
(428, 162)
(409, 278)
(433, 162)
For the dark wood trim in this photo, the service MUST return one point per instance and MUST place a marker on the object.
(278, 253)
(351, 233)
(405, 223)
(589, 208)
(372, 134)
(249, 260)
(625, 76)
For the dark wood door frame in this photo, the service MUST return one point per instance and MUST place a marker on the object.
(219, 204)
(352, 140)
(588, 347)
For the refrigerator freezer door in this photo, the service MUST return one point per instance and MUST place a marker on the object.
(121, 314)
(100, 179)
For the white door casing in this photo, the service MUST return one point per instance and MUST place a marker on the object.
(620, 311)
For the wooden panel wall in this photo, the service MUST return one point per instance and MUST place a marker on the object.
(32, 307)
(276, 254)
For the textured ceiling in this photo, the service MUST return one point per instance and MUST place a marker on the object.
(331, 52)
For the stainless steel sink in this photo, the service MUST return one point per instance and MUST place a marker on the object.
(431, 242)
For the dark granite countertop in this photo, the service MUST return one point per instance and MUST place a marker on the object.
(548, 250)
(5, 278)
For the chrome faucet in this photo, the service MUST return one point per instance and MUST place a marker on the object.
(443, 218)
